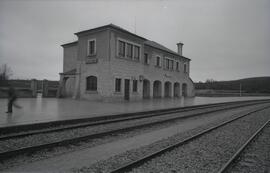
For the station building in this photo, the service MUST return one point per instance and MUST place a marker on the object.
(111, 63)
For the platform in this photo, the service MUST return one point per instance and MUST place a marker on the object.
(35, 110)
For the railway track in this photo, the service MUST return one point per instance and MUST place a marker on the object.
(231, 161)
(210, 109)
(137, 163)
(11, 132)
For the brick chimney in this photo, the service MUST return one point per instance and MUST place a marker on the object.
(180, 48)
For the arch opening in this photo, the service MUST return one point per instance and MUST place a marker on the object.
(146, 89)
(157, 89)
(176, 89)
(167, 89)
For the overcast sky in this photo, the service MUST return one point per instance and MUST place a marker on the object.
(225, 39)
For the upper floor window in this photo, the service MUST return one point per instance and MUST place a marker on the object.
(168, 64)
(136, 53)
(146, 59)
(158, 61)
(129, 50)
(122, 48)
(177, 66)
(185, 68)
(91, 47)
(91, 83)
(117, 85)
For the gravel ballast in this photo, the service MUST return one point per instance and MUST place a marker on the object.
(205, 154)
(48, 153)
(256, 157)
(61, 150)
(209, 152)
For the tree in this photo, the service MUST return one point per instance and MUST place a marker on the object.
(5, 72)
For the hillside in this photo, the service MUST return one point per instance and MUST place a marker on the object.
(248, 85)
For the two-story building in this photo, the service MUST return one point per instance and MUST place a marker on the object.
(111, 63)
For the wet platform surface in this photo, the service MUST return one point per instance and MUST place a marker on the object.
(39, 109)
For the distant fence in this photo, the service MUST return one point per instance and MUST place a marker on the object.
(225, 93)
(30, 88)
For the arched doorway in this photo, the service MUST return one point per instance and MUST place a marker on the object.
(184, 89)
(176, 89)
(157, 89)
(146, 89)
(167, 89)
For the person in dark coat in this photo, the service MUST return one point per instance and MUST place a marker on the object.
(11, 98)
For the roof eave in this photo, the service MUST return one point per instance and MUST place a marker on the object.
(109, 26)
(169, 52)
(69, 44)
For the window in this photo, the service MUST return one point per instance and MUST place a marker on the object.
(117, 85)
(91, 47)
(121, 48)
(185, 68)
(135, 85)
(91, 83)
(177, 66)
(136, 53)
(158, 64)
(171, 64)
(129, 50)
(146, 59)
(168, 64)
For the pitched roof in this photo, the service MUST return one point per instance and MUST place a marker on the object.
(110, 26)
(68, 44)
(161, 47)
(146, 42)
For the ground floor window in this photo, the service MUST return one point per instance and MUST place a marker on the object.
(91, 83)
(117, 85)
(135, 85)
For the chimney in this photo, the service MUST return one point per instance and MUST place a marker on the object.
(180, 48)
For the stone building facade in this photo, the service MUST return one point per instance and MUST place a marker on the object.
(111, 63)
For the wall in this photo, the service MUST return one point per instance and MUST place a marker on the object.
(70, 57)
(107, 66)
(99, 67)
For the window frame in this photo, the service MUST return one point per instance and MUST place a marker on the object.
(185, 68)
(88, 47)
(139, 52)
(158, 61)
(131, 50)
(177, 64)
(168, 63)
(91, 85)
(116, 87)
(147, 62)
(135, 85)
(124, 48)
(134, 46)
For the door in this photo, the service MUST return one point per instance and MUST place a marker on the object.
(126, 89)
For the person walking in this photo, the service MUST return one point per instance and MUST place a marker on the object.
(12, 97)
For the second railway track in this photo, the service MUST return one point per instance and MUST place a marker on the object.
(147, 162)
(26, 130)
(9, 153)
